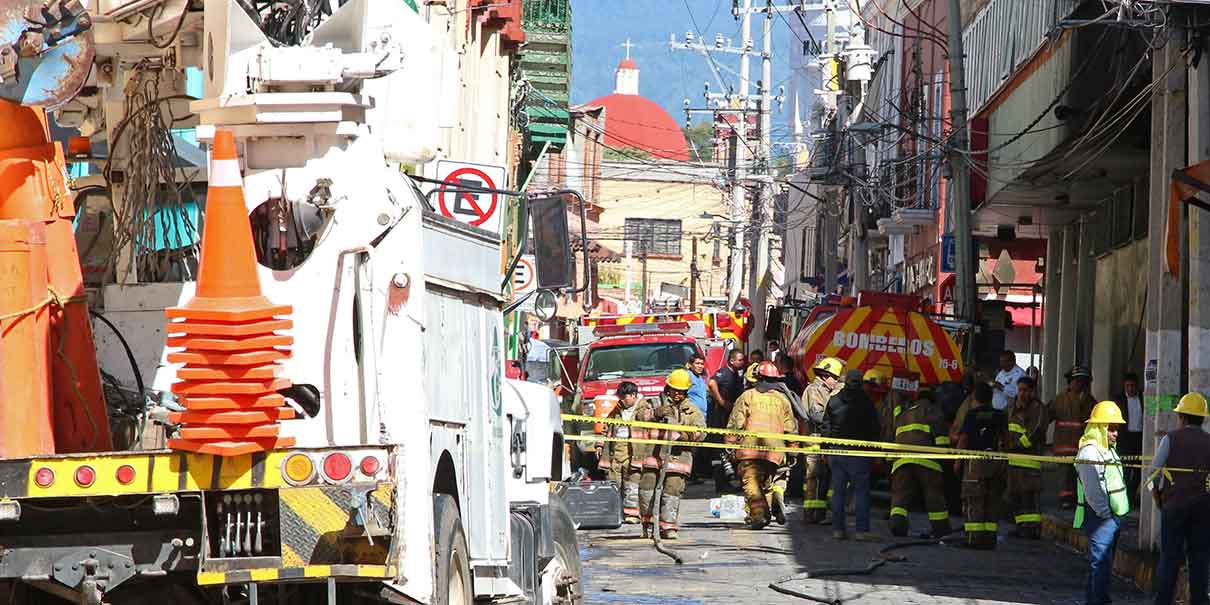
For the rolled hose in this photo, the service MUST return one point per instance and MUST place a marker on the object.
(878, 561)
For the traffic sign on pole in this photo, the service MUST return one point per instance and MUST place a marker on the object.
(458, 199)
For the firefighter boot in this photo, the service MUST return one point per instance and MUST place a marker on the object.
(779, 506)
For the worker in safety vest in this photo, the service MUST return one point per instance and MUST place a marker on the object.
(1184, 501)
(616, 457)
(983, 480)
(1101, 496)
(1027, 420)
(1069, 409)
(762, 409)
(674, 407)
(824, 384)
(919, 423)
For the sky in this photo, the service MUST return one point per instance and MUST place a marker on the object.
(600, 27)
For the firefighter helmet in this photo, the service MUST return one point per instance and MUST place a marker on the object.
(767, 369)
(750, 373)
(1106, 412)
(877, 376)
(1193, 404)
(829, 365)
(679, 380)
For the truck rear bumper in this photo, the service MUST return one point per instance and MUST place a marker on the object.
(227, 520)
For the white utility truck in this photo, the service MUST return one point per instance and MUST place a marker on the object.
(419, 474)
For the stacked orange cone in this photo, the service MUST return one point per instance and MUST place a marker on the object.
(228, 332)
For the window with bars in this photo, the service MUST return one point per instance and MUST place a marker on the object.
(654, 236)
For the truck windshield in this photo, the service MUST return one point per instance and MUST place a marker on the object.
(637, 360)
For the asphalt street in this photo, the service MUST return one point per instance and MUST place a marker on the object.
(727, 563)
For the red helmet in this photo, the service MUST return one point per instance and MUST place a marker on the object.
(767, 369)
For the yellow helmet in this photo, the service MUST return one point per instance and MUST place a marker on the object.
(679, 379)
(750, 373)
(1106, 412)
(831, 365)
(877, 376)
(1193, 404)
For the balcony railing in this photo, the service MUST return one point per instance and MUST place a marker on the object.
(546, 15)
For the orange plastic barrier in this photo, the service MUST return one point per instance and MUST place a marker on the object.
(227, 333)
(25, 420)
(33, 187)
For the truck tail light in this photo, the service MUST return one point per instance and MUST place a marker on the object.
(125, 474)
(44, 477)
(337, 466)
(298, 469)
(85, 476)
(369, 466)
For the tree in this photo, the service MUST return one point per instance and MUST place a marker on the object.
(700, 137)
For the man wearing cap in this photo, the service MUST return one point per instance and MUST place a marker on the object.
(851, 415)
(824, 384)
(1184, 502)
(1101, 498)
(1069, 409)
(762, 409)
(1026, 434)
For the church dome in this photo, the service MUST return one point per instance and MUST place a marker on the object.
(636, 122)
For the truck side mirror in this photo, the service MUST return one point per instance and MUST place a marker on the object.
(552, 243)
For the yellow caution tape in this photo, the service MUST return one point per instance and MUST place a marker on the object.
(848, 447)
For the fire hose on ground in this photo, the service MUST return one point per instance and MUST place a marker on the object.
(882, 558)
(657, 497)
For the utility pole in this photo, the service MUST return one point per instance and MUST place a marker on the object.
(964, 280)
(736, 104)
(643, 258)
(693, 274)
(830, 220)
(764, 209)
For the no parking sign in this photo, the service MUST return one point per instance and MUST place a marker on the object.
(457, 198)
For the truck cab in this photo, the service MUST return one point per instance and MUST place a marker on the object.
(642, 353)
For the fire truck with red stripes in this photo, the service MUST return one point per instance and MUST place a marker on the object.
(640, 348)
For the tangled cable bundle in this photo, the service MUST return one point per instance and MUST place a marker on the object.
(152, 196)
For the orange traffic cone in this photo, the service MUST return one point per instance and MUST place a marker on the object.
(228, 332)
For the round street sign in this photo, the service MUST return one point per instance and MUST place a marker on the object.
(523, 277)
(466, 206)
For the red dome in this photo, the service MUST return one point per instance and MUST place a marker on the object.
(627, 63)
(632, 121)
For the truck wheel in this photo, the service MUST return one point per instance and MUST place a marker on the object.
(561, 578)
(452, 567)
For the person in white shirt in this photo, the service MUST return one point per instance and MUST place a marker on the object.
(1005, 387)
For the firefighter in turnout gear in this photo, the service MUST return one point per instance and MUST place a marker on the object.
(617, 459)
(823, 386)
(673, 407)
(919, 423)
(1027, 420)
(762, 409)
(982, 483)
(1069, 410)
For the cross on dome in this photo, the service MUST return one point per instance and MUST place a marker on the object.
(628, 46)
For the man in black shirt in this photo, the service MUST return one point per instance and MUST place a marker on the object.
(724, 387)
(851, 415)
(982, 484)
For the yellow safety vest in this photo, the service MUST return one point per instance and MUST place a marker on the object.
(1115, 487)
